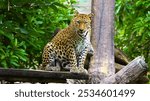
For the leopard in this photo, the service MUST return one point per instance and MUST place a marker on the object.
(69, 47)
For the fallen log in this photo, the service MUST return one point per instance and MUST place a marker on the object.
(131, 72)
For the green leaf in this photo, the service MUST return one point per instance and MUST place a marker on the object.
(14, 57)
(14, 63)
(23, 30)
(22, 44)
(4, 63)
(2, 50)
(2, 57)
(21, 57)
(2, 32)
(54, 8)
(8, 35)
(20, 52)
(15, 42)
(39, 22)
(40, 31)
(60, 5)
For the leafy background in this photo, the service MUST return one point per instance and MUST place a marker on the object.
(27, 25)
(132, 26)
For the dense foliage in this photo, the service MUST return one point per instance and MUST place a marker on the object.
(26, 26)
(133, 28)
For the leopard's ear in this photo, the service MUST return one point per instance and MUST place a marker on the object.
(76, 13)
(90, 15)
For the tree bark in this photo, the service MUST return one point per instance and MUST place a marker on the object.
(24, 75)
(102, 62)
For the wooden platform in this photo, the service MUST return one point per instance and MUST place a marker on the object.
(24, 75)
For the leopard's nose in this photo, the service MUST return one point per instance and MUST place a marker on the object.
(81, 30)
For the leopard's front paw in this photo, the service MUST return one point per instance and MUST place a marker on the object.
(82, 70)
(74, 70)
(76, 81)
(78, 70)
(52, 68)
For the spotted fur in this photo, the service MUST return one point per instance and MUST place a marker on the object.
(68, 49)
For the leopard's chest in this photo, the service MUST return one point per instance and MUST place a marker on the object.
(81, 46)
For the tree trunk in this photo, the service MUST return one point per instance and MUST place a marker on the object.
(102, 63)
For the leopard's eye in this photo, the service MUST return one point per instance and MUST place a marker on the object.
(78, 21)
(85, 22)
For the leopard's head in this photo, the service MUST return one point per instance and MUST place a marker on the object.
(81, 23)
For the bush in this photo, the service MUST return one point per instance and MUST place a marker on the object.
(133, 28)
(26, 26)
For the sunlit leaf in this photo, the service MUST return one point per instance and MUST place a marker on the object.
(58, 4)
(24, 31)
